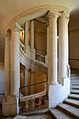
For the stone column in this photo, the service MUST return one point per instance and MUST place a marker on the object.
(15, 61)
(26, 81)
(7, 65)
(10, 102)
(63, 46)
(32, 34)
(32, 41)
(26, 34)
(52, 55)
(46, 57)
(32, 87)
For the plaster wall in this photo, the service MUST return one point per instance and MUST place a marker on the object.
(74, 48)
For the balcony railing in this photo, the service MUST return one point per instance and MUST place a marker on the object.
(33, 55)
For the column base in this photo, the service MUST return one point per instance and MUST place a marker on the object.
(10, 105)
(57, 93)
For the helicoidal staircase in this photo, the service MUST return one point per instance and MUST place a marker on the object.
(69, 109)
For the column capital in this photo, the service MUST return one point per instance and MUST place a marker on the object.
(53, 14)
(7, 36)
(15, 27)
(64, 15)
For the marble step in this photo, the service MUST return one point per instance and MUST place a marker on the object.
(59, 114)
(75, 87)
(75, 80)
(74, 91)
(75, 83)
(72, 102)
(73, 111)
(74, 96)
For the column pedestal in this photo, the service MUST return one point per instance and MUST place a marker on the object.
(9, 105)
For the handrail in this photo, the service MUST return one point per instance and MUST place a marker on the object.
(73, 59)
(33, 84)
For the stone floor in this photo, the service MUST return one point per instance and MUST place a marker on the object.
(43, 116)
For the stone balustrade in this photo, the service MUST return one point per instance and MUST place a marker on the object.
(33, 55)
(34, 102)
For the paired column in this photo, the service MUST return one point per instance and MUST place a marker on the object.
(32, 80)
(7, 65)
(63, 46)
(32, 35)
(52, 55)
(26, 33)
(46, 57)
(26, 81)
(15, 61)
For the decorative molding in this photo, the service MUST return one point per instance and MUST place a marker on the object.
(35, 10)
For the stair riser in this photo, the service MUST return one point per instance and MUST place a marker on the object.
(73, 98)
(74, 92)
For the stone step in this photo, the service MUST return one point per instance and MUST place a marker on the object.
(74, 96)
(72, 102)
(74, 87)
(59, 114)
(74, 91)
(74, 83)
(73, 111)
(74, 78)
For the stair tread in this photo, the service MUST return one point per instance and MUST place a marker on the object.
(72, 102)
(74, 91)
(74, 83)
(74, 96)
(59, 114)
(74, 86)
(70, 109)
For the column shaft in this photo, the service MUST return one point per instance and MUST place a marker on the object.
(26, 81)
(52, 56)
(7, 65)
(26, 33)
(32, 34)
(63, 46)
(15, 61)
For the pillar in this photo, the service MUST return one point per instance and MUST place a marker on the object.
(10, 101)
(26, 81)
(32, 75)
(63, 46)
(26, 34)
(15, 61)
(46, 57)
(32, 41)
(52, 55)
(32, 34)
(7, 65)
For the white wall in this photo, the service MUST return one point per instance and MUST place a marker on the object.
(1, 80)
